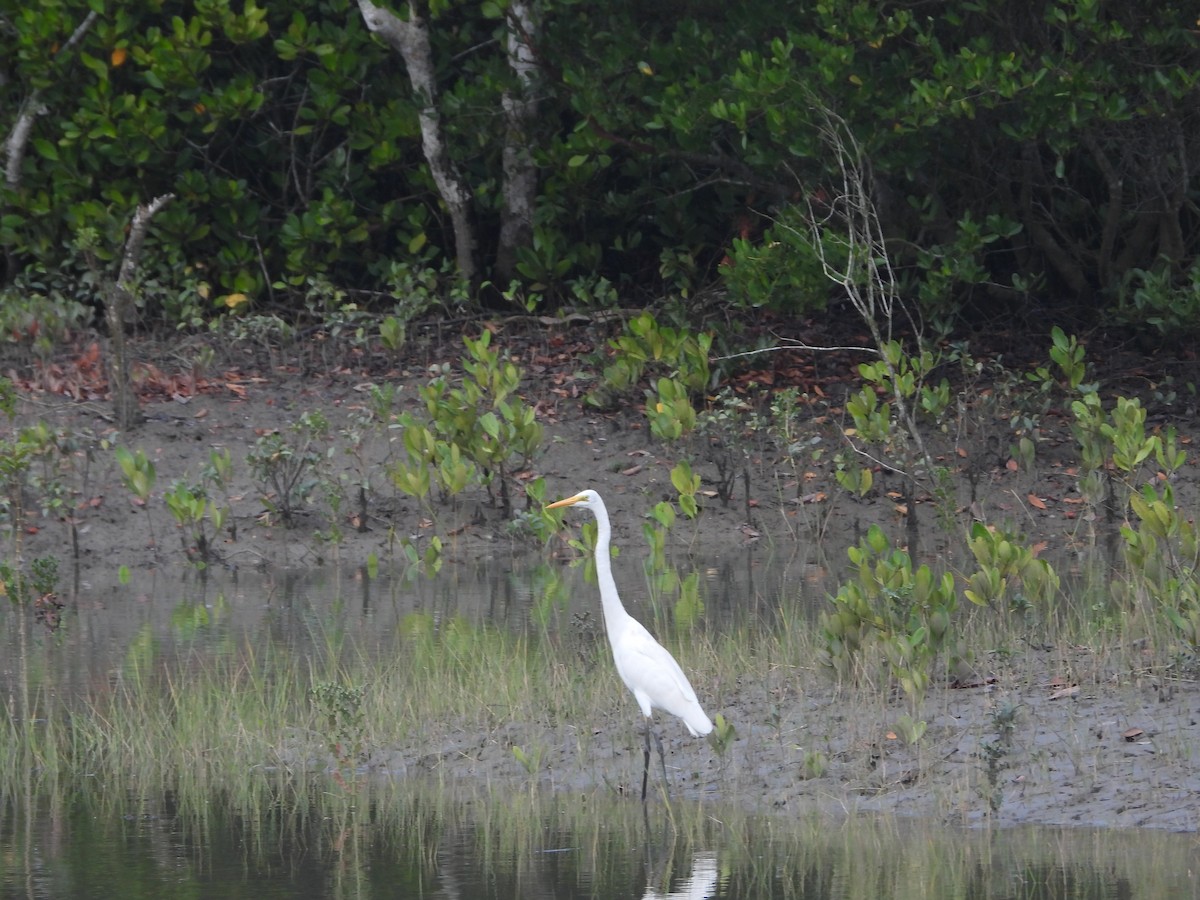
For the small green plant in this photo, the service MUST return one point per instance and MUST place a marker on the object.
(851, 475)
(1162, 556)
(1113, 447)
(392, 334)
(534, 521)
(689, 607)
(1161, 299)
(420, 287)
(138, 476)
(383, 399)
(478, 432)
(288, 465)
(530, 762)
(646, 344)
(36, 317)
(1004, 721)
(656, 532)
(218, 475)
(670, 411)
(51, 455)
(686, 482)
(910, 730)
(724, 432)
(893, 427)
(1005, 562)
(355, 436)
(8, 397)
(816, 764)
(429, 562)
(723, 734)
(35, 589)
(199, 519)
(339, 709)
(904, 612)
(137, 473)
(1068, 354)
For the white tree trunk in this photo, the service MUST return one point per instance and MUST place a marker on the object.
(119, 301)
(18, 138)
(411, 39)
(520, 113)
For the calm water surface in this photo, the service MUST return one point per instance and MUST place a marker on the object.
(92, 840)
(411, 847)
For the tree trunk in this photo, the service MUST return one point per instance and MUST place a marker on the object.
(18, 139)
(411, 39)
(1056, 255)
(119, 303)
(520, 113)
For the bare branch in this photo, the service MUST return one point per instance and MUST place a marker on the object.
(18, 138)
(793, 344)
(137, 236)
(848, 240)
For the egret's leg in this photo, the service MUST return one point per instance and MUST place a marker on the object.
(646, 760)
(662, 761)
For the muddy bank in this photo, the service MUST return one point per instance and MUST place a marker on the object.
(1049, 734)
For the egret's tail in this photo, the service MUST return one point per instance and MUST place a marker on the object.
(698, 723)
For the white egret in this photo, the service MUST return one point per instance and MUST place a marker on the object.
(648, 670)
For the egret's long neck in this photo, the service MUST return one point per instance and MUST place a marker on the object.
(614, 613)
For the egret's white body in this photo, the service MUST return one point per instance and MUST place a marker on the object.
(648, 670)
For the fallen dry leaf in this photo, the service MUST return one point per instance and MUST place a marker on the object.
(968, 684)
(1065, 692)
(1036, 502)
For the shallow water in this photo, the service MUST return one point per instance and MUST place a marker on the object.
(107, 623)
(88, 839)
(538, 847)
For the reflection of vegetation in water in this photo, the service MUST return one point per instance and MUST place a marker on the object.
(402, 840)
(266, 726)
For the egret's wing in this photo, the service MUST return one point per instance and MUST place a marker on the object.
(645, 665)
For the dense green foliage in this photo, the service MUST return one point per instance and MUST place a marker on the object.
(1019, 154)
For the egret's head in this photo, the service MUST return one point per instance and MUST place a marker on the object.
(586, 499)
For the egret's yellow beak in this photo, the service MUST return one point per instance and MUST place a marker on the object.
(569, 501)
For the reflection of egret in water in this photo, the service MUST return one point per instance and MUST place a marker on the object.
(661, 860)
(700, 885)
